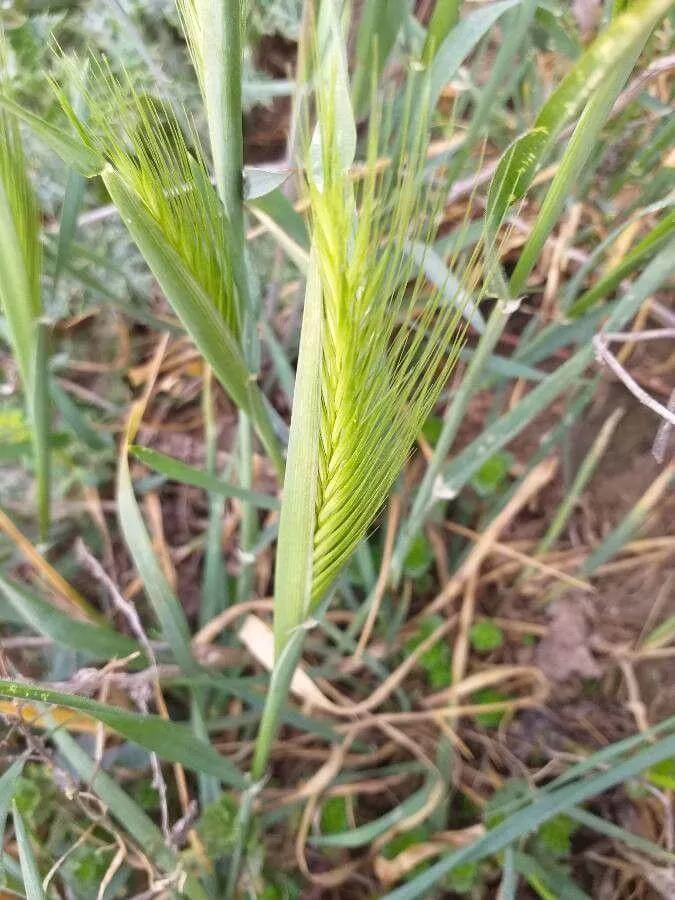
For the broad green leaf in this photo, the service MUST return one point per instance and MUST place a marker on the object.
(195, 309)
(73, 151)
(95, 640)
(179, 471)
(32, 882)
(171, 741)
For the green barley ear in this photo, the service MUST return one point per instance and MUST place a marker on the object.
(20, 294)
(378, 342)
(158, 179)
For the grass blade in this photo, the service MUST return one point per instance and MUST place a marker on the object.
(630, 523)
(642, 250)
(31, 874)
(577, 152)
(364, 835)
(73, 151)
(620, 40)
(463, 466)
(509, 882)
(8, 781)
(175, 470)
(554, 881)
(72, 204)
(379, 24)
(127, 812)
(95, 640)
(295, 544)
(171, 741)
(529, 819)
(459, 44)
(21, 300)
(615, 833)
(443, 20)
(585, 472)
(164, 602)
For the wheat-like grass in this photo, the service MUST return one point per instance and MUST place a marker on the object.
(141, 138)
(389, 339)
(20, 297)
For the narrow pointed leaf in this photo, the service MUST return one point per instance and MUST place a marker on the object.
(32, 883)
(460, 42)
(8, 781)
(293, 581)
(164, 602)
(529, 819)
(72, 150)
(179, 471)
(621, 39)
(95, 640)
(379, 25)
(171, 741)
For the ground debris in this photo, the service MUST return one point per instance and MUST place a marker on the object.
(564, 651)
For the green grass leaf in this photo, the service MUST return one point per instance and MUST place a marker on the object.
(175, 470)
(619, 42)
(8, 782)
(295, 544)
(32, 881)
(171, 741)
(21, 299)
(96, 641)
(73, 151)
(460, 42)
(164, 602)
(540, 811)
(379, 24)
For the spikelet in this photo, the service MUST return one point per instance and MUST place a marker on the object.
(142, 140)
(389, 343)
